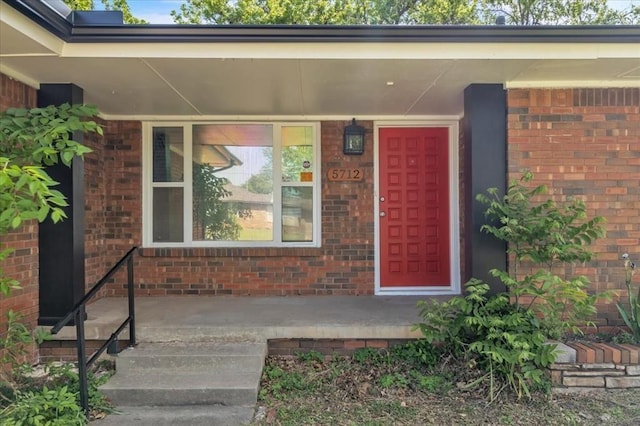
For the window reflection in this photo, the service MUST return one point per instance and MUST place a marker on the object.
(233, 182)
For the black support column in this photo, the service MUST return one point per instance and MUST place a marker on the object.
(61, 245)
(485, 134)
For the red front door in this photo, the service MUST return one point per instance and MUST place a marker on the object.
(414, 207)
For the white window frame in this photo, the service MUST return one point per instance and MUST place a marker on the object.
(186, 184)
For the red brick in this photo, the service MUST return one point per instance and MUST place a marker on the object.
(379, 344)
(603, 150)
(634, 353)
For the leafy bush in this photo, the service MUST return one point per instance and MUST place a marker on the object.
(47, 407)
(31, 139)
(65, 375)
(542, 236)
(501, 338)
(505, 334)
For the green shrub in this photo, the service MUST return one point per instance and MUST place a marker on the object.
(503, 339)
(46, 407)
(542, 236)
(65, 375)
(505, 334)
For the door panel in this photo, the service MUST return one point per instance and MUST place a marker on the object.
(414, 207)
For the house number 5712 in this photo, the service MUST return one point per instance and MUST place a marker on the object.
(345, 175)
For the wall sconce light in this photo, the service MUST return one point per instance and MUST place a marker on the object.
(353, 142)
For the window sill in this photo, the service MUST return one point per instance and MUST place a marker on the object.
(232, 252)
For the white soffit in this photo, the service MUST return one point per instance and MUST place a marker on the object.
(21, 36)
(299, 79)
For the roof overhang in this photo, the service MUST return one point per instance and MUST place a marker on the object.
(211, 72)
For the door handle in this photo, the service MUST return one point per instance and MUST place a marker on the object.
(382, 214)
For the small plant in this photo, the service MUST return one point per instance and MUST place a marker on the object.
(364, 355)
(310, 357)
(281, 382)
(429, 383)
(14, 349)
(393, 380)
(632, 316)
(623, 338)
(417, 352)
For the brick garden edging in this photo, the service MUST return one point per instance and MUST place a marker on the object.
(588, 366)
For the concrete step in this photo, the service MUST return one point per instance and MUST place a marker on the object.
(201, 356)
(204, 415)
(194, 383)
(177, 387)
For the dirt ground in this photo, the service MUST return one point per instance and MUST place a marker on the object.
(314, 391)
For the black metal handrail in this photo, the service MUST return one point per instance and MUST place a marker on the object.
(78, 312)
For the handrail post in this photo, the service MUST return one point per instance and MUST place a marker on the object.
(79, 313)
(82, 360)
(132, 313)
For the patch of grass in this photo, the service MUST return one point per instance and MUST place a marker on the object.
(282, 382)
(394, 380)
(418, 351)
(310, 356)
(393, 409)
(365, 355)
(294, 415)
(431, 383)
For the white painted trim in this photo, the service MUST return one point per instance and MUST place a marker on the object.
(271, 118)
(146, 186)
(454, 210)
(353, 50)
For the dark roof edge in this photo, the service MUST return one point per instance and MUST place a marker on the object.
(43, 15)
(364, 33)
(101, 33)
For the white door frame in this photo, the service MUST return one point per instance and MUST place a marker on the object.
(454, 210)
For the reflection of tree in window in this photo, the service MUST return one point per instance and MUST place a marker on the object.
(293, 157)
(213, 219)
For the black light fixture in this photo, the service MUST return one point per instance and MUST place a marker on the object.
(353, 142)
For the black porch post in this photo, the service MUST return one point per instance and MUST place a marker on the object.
(485, 133)
(61, 245)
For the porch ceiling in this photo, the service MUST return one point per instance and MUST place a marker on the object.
(164, 80)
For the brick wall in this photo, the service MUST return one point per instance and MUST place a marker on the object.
(23, 263)
(121, 185)
(343, 265)
(95, 176)
(585, 143)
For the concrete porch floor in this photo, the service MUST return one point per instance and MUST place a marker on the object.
(197, 318)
